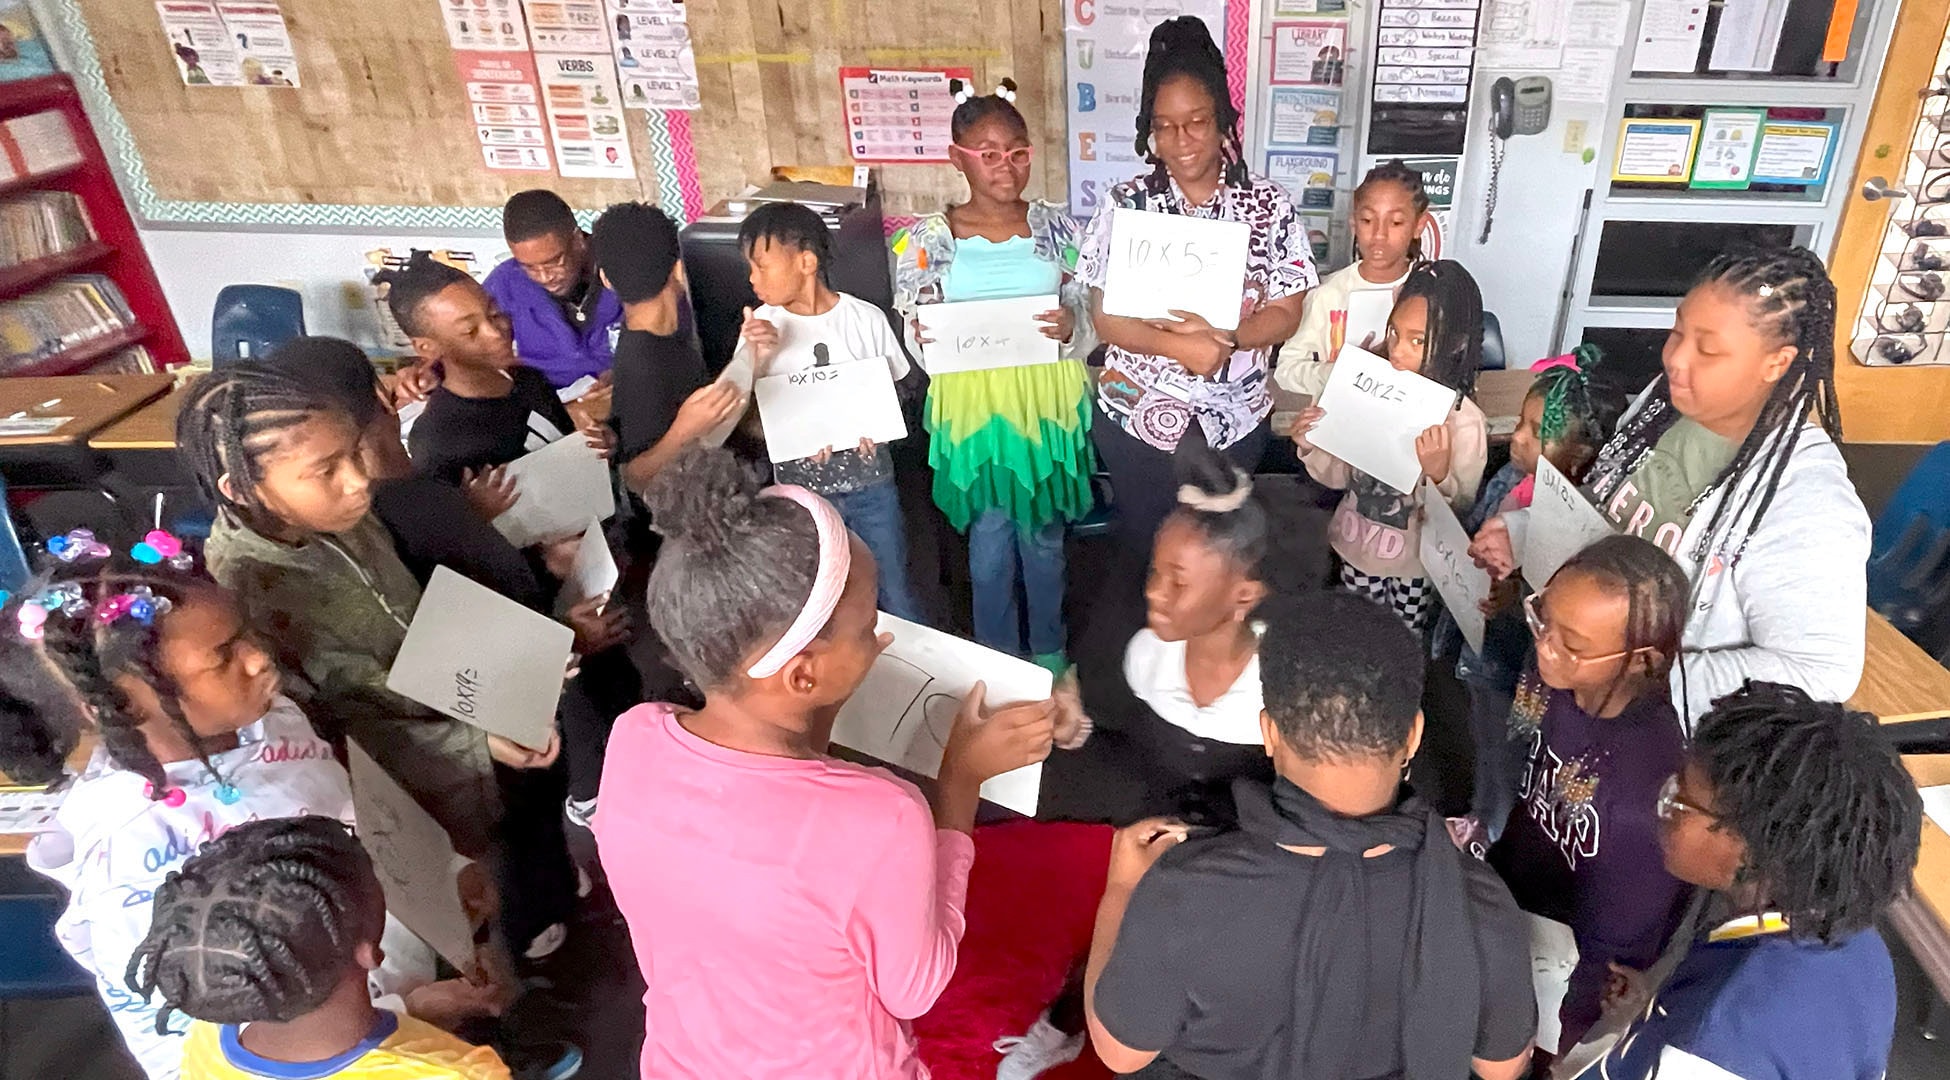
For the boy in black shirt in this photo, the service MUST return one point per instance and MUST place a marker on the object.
(663, 401)
(1338, 932)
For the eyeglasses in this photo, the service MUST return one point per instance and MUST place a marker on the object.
(1539, 629)
(1197, 129)
(1670, 805)
(992, 158)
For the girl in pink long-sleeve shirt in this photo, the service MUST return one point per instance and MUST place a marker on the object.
(790, 912)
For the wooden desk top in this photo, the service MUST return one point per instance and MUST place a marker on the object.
(1900, 682)
(1933, 859)
(152, 427)
(16, 843)
(92, 402)
(1500, 394)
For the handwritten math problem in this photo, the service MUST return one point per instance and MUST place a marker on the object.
(1165, 262)
(1374, 413)
(974, 335)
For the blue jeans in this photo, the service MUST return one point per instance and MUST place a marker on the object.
(874, 515)
(996, 548)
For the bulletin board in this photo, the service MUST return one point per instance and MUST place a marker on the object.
(380, 136)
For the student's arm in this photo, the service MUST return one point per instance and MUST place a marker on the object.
(1469, 451)
(706, 409)
(907, 920)
(1507, 1008)
(1802, 592)
(1135, 989)
(1270, 325)
(1326, 468)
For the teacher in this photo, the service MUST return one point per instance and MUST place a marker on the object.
(564, 320)
(1162, 376)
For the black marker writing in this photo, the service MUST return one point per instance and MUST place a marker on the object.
(467, 687)
(1382, 391)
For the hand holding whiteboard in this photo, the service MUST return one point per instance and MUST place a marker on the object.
(1164, 262)
(905, 707)
(1373, 414)
(833, 407)
(1445, 559)
(974, 335)
(557, 489)
(1562, 523)
(479, 657)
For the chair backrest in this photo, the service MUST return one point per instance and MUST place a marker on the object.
(1909, 560)
(251, 320)
(14, 570)
(1493, 359)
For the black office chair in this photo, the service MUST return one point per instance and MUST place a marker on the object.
(1493, 358)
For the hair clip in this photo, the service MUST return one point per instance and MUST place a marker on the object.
(171, 796)
(1764, 291)
(78, 544)
(962, 90)
(140, 603)
(159, 546)
(1006, 90)
(65, 598)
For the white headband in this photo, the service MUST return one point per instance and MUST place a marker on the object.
(835, 561)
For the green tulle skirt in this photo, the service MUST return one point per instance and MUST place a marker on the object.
(1012, 439)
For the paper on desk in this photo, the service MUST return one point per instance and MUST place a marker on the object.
(558, 488)
(1159, 263)
(29, 811)
(831, 407)
(1373, 414)
(16, 426)
(974, 335)
(594, 572)
(1936, 803)
(482, 658)
(904, 709)
(1562, 523)
(1367, 317)
(1445, 559)
(414, 859)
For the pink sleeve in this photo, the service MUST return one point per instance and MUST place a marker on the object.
(907, 922)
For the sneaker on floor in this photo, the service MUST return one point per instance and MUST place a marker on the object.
(545, 943)
(1041, 1048)
(581, 812)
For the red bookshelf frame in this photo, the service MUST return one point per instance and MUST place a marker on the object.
(117, 252)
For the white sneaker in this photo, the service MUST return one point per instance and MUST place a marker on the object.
(547, 941)
(1041, 1048)
(581, 811)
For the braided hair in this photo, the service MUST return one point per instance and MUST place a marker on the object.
(33, 744)
(1183, 46)
(1263, 525)
(91, 656)
(1577, 411)
(409, 287)
(975, 108)
(1455, 327)
(260, 925)
(1396, 171)
(232, 419)
(1830, 819)
(1790, 300)
(1655, 591)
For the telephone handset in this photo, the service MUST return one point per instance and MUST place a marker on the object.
(1517, 107)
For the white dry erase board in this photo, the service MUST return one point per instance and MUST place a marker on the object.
(1367, 318)
(903, 711)
(1562, 523)
(974, 335)
(738, 373)
(830, 407)
(1165, 262)
(479, 657)
(594, 572)
(414, 858)
(1373, 414)
(1445, 559)
(557, 489)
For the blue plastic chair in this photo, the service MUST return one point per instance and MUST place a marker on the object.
(33, 964)
(1909, 553)
(14, 570)
(251, 320)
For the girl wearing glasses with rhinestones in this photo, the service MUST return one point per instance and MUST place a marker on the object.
(1582, 846)
(1010, 446)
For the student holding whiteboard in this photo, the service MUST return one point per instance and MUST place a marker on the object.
(1162, 377)
(1010, 446)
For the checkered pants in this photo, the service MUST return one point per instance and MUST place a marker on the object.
(1411, 599)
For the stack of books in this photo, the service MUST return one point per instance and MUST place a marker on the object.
(66, 314)
(41, 224)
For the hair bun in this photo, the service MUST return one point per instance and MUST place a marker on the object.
(701, 497)
(1006, 90)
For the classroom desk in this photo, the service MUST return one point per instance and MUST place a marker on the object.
(151, 427)
(1923, 918)
(1900, 682)
(91, 402)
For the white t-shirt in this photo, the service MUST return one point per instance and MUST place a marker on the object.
(1155, 671)
(1306, 356)
(852, 330)
(115, 845)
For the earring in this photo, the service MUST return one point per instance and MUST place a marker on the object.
(1408, 770)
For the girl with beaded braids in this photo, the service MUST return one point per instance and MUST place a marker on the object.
(1161, 376)
(1730, 462)
(196, 738)
(1010, 447)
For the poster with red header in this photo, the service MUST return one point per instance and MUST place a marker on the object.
(896, 115)
(505, 99)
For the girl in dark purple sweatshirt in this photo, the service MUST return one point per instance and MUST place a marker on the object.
(1582, 845)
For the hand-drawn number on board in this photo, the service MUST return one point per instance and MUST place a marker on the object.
(920, 732)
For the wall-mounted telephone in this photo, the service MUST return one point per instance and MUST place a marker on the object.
(1517, 107)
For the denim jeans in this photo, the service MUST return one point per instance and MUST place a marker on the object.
(997, 547)
(874, 515)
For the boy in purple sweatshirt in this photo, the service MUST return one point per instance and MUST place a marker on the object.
(1582, 846)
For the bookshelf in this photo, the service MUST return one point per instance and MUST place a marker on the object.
(77, 290)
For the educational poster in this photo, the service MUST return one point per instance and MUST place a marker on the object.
(506, 100)
(485, 25)
(264, 47)
(1308, 176)
(1439, 184)
(1424, 52)
(655, 64)
(1301, 117)
(23, 50)
(567, 26)
(1312, 53)
(899, 115)
(205, 54)
(1728, 139)
(1655, 151)
(1794, 153)
(1103, 65)
(585, 116)
(1669, 35)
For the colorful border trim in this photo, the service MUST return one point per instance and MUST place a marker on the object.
(1238, 35)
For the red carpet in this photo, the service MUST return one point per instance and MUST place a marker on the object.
(1032, 899)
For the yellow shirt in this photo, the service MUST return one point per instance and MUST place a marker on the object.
(398, 1048)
